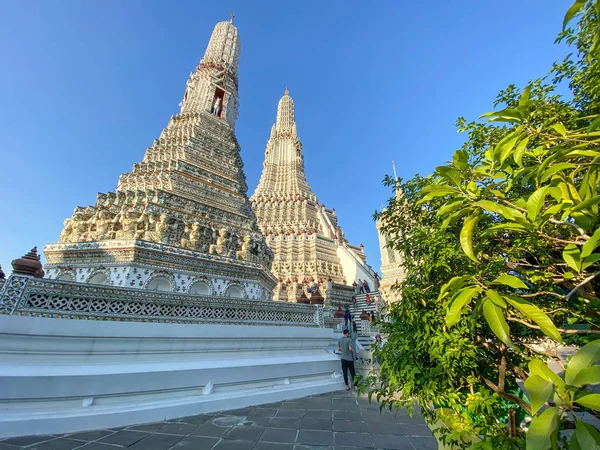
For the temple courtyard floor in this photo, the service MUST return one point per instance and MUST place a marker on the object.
(337, 420)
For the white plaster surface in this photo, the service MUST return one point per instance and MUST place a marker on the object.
(62, 375)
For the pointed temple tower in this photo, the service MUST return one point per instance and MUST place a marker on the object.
(180, 220)
(392, 260)
(307, 243)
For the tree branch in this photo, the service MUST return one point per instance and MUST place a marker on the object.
(545, 353)
(562, 330)
(560, 241)
(502, 369)
(580, 230)
(537, 294)
(509, 397)
(580, 285)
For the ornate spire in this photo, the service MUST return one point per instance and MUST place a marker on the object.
(283, 172)
(304, 235)
(285, 112)
(213, 87)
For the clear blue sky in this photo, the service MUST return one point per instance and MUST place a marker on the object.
(85, 87)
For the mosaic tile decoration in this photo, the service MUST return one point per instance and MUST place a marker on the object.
(61, 299)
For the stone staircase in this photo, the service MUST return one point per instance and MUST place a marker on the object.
(364, 335)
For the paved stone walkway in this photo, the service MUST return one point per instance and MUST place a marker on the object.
(337, 420)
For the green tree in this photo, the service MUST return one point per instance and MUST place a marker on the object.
(501, 255)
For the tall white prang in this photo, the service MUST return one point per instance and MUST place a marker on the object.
(180, 220)
(310, 250)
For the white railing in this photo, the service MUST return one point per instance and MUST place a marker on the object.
(26, 296)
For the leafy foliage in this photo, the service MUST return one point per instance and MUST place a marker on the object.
(501, 255)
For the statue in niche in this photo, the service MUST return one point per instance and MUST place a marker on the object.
(221, 245)
(66, 232)
(160, 228)
(128, 220)
(143, 226)
(79, 228)
(216, 107)
(243, 253)
(193, 236)
(102, 220)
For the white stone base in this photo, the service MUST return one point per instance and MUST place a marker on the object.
(60, 375)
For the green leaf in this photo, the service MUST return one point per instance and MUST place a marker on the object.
(520, 151)
(574, 9)
(535, 202)
(539, 390)
(594, 125)
(536, 315)
(439, 188)
(507, 149)
(560, 129)
(450, 207)
(542, 429)
(589, 376)
(574, 444)
(466, 236)
(496, 298)
(525, 96)
(452, 285)
(510, 280)
(572, 257)
(461, 299)
(433, 195)
(508, 226)
(555, 169)
(493, 207)
(589, 260)
(587, 436)
(495, 319)
(461, 160)
(586, 356)
(591, 244)
(586, 204)
(449, 174)
(591, 401)
(537, 367)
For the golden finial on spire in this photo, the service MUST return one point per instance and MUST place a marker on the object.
(231, 19)
(287, 91)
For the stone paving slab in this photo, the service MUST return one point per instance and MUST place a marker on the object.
(333, 421)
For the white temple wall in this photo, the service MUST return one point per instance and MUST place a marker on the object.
(353, 270)
(61, 375)
(144, 278)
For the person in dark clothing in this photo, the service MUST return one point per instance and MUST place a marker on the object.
(347, 318)
(366, 287)
(354, 326)
(345, 347)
